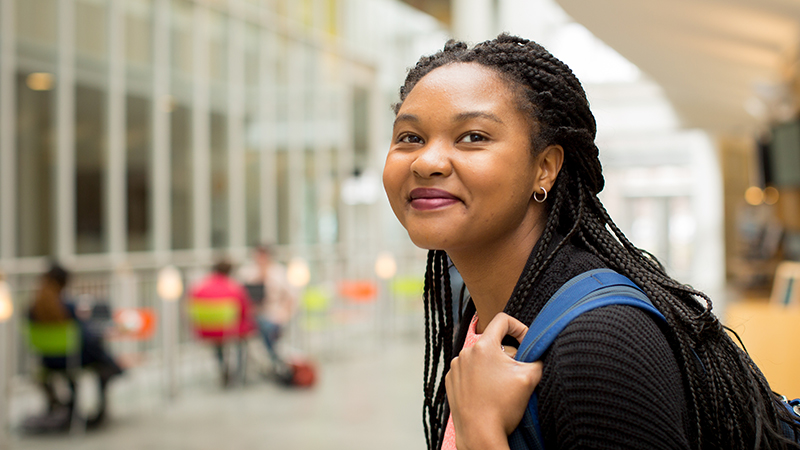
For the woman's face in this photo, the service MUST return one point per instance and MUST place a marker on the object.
(459, 173)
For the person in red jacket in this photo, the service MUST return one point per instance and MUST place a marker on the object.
(219, 287)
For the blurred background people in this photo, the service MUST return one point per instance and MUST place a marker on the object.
(222, 313)
(278, 302)
(51, 306)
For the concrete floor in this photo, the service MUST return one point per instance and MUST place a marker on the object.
(365, 399)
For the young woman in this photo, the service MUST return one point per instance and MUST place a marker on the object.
(493, 164)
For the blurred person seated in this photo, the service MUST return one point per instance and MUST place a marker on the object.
(221, 312)
(279, 302)
(52, 310)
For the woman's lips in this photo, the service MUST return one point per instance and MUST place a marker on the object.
(425, 199)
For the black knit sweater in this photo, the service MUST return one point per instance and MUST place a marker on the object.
(611, 379)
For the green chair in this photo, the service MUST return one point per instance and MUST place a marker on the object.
(315, 303)
(59, 340)
(55, 339)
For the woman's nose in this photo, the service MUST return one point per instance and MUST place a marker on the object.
(432, 160)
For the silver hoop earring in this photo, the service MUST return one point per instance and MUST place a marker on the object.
(544, 197)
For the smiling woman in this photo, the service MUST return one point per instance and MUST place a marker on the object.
(459, 176)
(493, 166)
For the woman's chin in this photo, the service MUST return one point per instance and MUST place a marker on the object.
(428, 242)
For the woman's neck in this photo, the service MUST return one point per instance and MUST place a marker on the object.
(491, 274)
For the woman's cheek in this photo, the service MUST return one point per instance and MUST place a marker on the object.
(392, 186)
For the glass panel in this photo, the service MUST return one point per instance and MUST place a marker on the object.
(219, 180)
(138, 172)
(329, 216)
(90, 127)
(218, 74)
(36, 21)
(310, 202)
(138, 31)
(218, 47)
(89, 169)
(181, 41)
(138, 112)
(182, 229)
(35, 159)
(253, 194)
(282, 178)
(361, 126)
(90, 29)
(181, 126)
(254, 136)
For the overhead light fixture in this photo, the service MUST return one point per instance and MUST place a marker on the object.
(169, 285)
(771, 195)
(754, 195)
(298, 273)
(40, 81)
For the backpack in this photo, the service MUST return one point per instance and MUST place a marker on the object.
(589, 290)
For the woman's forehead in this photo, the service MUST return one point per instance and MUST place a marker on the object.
(459, 83)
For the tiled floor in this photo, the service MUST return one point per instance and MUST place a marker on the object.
(365, 399)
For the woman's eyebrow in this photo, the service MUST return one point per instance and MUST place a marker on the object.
(461, 117)
(477, 114)
(406, 118)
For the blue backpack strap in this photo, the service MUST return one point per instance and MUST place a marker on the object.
(587, 291)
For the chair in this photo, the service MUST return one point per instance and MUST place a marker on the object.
(217, 320)
(315, 305)
(60, 340)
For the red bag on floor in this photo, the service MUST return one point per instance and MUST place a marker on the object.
(299, 372)
(304, 373)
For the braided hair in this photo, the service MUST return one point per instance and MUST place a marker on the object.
(732, 405)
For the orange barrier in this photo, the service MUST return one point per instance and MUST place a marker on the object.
(134, 323)
(358, 291)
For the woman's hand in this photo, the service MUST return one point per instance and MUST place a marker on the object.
(488, 390)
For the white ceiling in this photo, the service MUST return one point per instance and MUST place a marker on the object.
(724, 64)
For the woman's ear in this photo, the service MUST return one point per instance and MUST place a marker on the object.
(549, 164)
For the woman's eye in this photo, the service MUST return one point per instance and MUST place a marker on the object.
(410, 139)
(473, 137)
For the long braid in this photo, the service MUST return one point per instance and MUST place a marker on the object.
(731, 402)
(438, 305)
(429, 378)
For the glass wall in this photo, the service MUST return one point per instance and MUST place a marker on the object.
(254, 133)
(91, 65)
(35, 164)
(253, 103)
(181, 86)
(36, 27)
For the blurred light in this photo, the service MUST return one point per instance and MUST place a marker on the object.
(297, 272)
(754, 195)
(771, 195)
(169, 285)
(6, 305)
(385, 266)
(40, 81)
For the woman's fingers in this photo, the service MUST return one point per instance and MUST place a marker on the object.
(487, 389)
(503, 325)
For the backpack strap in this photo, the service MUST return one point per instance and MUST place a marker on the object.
(589, 290)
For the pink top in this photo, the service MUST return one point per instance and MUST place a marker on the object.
(217, 287)
(449, 442)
